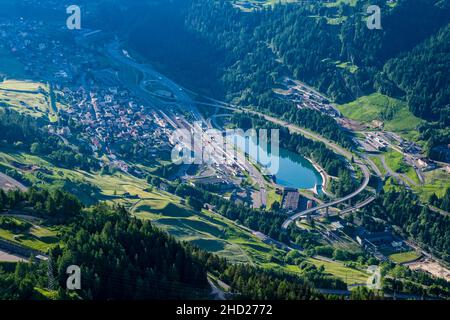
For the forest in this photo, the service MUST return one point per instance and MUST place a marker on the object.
(332, 163)
(55, 206)
(415, 221)
(122, 257)
(401, 278)
(23, 133)
(330, 48)
(443, 203)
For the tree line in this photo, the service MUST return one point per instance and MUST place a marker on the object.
(443, 203)
(24, 133)
(403, 209)
(330, 48)
(332, 163)
(54, 205)
(122, 257)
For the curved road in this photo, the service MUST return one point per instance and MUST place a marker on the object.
(113, 51)
(359, 205)
(338, 149)
(182, 97)
(294, 217)
(330, 144)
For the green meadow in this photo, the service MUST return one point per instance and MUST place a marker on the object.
(392, 112)
(205, 229)
(38, 237)
(338, 269)
(436, 181)
(30, 98)
(403, 257)
(394, 160)
(377, 161)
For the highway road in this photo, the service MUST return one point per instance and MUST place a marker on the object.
(338, 149)
(298, 215)
(359, 205)
(293, 128)
(216, 292)
(398, 177)
(183, 98)
(437, 210)
(179, 94)
(372, 165)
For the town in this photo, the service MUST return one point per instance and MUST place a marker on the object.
(100, 99)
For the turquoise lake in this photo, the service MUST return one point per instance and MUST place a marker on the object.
(293, 171)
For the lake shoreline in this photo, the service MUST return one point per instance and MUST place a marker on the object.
(291, 170)
(322, 173)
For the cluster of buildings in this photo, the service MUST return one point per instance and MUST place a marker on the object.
(42, 54)
(381, 243)
(110, 117)
(374, 142)
(305, 97)
(413, 153)
(92, 102)
(291, 199)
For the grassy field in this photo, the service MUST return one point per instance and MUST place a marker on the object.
(207, 230)
(115, 188)
(377, 161)
(272, 197)
(436, 181)
(394, 160)
(38, 237)
(392, 112)
(346, 65)
(30, 98)
(338, 2)
(338, 269)
(404, 257)
(19, 85)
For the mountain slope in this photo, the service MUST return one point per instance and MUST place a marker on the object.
(423, 75)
